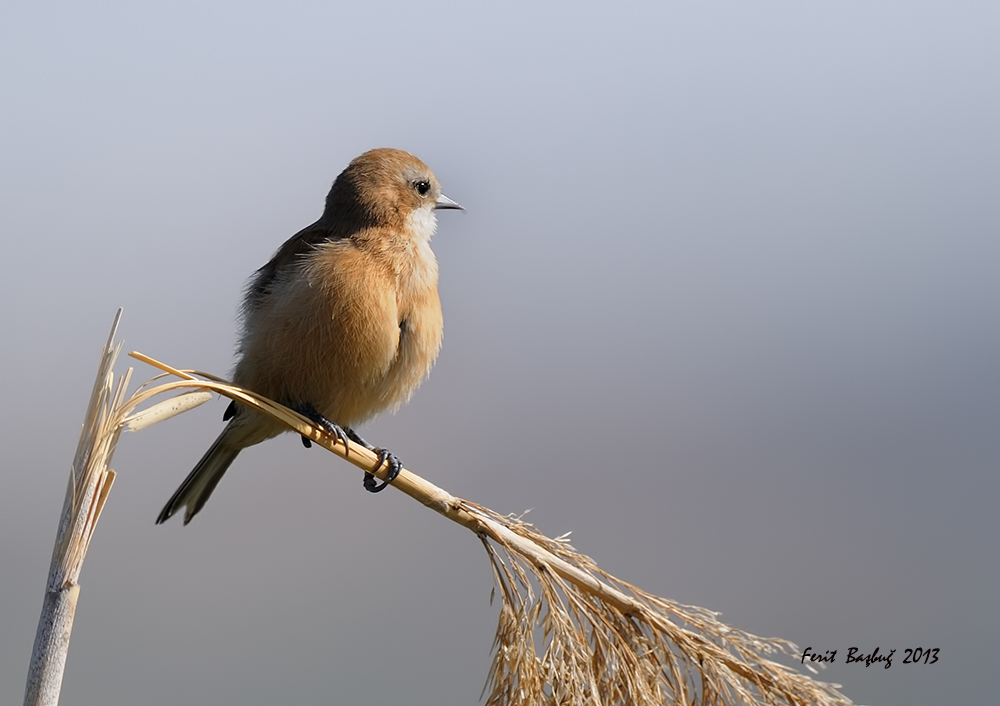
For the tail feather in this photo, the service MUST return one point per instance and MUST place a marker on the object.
(198, 486)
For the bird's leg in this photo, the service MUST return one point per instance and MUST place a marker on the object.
(308, 411)
(384, 456)
(342, 434)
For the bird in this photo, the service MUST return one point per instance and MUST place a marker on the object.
(343, 322)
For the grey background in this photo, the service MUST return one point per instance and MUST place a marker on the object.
(723, 304)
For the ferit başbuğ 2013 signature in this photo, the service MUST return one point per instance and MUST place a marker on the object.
(914, 655)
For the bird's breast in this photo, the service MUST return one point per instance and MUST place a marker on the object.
(346, 331)
(421, 329)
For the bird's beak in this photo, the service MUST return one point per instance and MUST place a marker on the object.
(444, 202)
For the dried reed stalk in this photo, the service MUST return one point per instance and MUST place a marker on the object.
(569, 634)
(90, 482)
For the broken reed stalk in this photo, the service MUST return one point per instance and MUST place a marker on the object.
(90, 482)
(568, 634)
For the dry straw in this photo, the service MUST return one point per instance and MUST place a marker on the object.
(569, 634)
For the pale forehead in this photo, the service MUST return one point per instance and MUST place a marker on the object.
(417, 170)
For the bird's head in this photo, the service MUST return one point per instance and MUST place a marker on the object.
(388, 188)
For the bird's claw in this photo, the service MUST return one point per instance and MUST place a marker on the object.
(325, 424)
(388, 458)
(342, 435)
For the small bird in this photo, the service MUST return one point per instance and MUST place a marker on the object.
(344, 322)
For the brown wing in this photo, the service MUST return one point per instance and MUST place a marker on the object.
(298, 246)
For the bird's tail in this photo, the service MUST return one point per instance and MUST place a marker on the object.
(198, 486)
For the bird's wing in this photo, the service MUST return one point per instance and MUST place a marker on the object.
(299, 245)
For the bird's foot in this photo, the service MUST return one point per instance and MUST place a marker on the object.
(384, 457)
(388, 458)
(325, 424)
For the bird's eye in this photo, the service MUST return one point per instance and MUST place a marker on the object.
(422, 187)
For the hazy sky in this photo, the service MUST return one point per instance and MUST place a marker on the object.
(753, 247)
